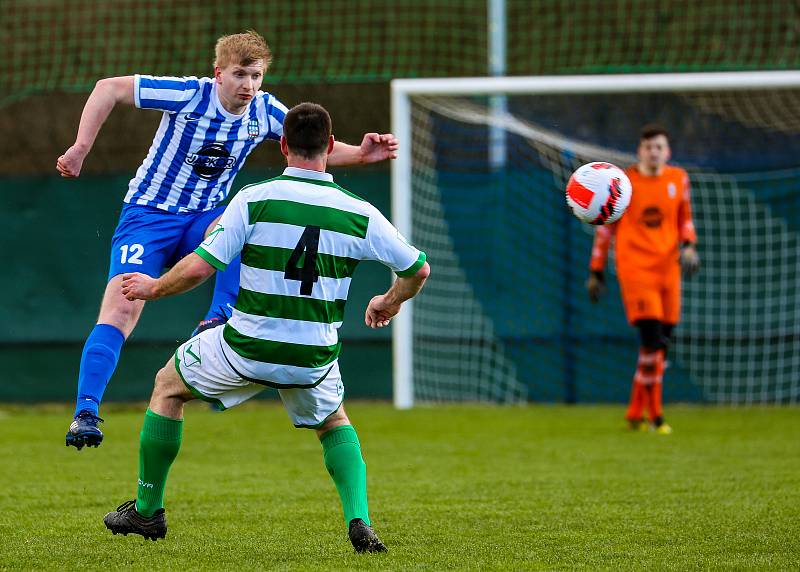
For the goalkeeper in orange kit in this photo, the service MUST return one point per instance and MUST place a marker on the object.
(655, 240)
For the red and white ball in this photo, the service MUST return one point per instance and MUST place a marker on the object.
(599, 193)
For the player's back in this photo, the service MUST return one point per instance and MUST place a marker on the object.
(296, 220)
(301, 238)
(647, 235)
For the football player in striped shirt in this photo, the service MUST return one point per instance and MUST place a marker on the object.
(208, 128)
(300, 236)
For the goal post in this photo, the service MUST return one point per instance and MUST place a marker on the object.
(561, 151)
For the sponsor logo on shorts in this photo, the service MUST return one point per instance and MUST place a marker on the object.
(191, 353)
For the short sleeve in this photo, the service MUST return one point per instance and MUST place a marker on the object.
(229, 235)
(388, 246)
(170, 94)
(276, 113)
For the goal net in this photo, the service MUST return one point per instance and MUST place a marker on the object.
(505, 317)
(58, 46)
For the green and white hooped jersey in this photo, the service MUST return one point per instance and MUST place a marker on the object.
(301, 236)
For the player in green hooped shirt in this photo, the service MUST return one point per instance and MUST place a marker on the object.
(300, 236)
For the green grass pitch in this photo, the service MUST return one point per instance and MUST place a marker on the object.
(539, 487)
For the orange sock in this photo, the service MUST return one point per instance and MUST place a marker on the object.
(649, 373)
(656, 411)
(636, 404)
(656, 387)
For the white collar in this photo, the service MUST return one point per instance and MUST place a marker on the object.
(307, 174)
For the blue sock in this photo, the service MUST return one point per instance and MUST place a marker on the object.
(98, 362)
(226, 288)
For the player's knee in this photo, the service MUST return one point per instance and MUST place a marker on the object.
(337, 419)
(167, 385)
(121, 313)
(650, 334)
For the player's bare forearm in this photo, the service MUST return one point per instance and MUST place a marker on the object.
(189, 273)
(405, 288)
(374, 147)
(105, 95)
(383, 308)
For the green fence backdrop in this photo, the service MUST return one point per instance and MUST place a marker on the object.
(341, 53)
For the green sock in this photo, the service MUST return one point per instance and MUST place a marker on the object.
(342, 454)
(160, 441)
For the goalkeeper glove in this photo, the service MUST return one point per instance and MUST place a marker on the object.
(596, 285)
(690, 261)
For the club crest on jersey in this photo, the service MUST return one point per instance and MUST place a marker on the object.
(671, 190)
(253, 128)
(210, 161)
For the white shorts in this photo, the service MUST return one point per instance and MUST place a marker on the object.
(209, 376)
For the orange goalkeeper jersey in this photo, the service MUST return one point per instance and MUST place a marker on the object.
(647, 236)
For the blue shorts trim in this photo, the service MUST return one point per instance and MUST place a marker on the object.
(148, 239)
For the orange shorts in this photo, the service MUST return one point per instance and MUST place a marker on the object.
(648, 297)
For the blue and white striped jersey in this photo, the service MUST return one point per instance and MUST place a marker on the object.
(199, 146)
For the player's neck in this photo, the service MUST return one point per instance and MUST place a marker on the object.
(316, 164)
(650, 171)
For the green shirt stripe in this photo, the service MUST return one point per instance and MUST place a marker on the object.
(276, 258)
(300, 214)
(283, 353)
(290, 307)
(210, 258)
(410, 271)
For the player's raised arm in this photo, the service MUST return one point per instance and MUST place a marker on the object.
(596, 284)
(106, 94)
(375, 147)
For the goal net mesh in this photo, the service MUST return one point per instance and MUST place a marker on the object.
(57, 46)
(505, 317)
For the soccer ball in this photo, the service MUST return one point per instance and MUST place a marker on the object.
(598, 193)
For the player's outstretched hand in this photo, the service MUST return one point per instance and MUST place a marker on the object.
(70, 163)
(376, 147)
(690, 261)
(596, 286)
(138, 286)
(379, 312)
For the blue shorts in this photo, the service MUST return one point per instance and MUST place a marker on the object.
(147, 239)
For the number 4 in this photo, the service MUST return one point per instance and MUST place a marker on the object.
(306, 274)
